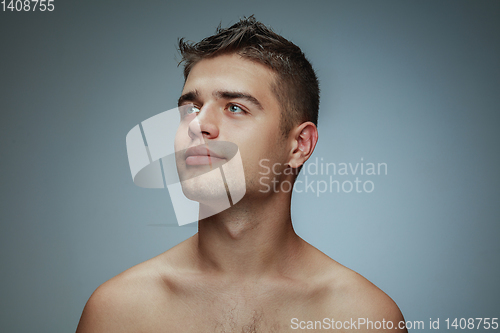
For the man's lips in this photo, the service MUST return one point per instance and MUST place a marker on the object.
(201, 155)
(202, 160)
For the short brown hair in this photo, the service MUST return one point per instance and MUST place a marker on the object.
(296, 88)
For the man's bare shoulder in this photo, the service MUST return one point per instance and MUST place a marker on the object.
(139, 292)
(348, 295)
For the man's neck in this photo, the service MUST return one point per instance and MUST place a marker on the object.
(249, 239)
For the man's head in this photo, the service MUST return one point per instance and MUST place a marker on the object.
(295, 86)
(248, 86)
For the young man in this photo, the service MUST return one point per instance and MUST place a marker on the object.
(245, 270)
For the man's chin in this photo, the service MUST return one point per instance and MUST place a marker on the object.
(204, 197)
(210, 192)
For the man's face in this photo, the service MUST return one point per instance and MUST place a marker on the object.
(233, 102)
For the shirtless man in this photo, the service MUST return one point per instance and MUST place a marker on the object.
(246, 270)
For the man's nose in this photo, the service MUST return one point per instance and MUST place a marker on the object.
(205, 124)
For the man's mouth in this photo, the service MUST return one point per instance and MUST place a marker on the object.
(202, 155)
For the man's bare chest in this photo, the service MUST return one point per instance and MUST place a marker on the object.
(234, 315)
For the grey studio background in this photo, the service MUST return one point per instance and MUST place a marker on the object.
(414, 85)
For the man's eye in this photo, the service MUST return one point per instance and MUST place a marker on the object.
(192, 109)
(235, 109)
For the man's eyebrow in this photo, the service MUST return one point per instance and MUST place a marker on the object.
(237, 94)
(191, 96)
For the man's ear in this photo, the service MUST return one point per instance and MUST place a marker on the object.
(305, 137)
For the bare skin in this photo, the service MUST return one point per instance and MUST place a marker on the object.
(246, 270)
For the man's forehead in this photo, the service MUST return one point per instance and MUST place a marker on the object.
(226, 74)
(232, 68)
